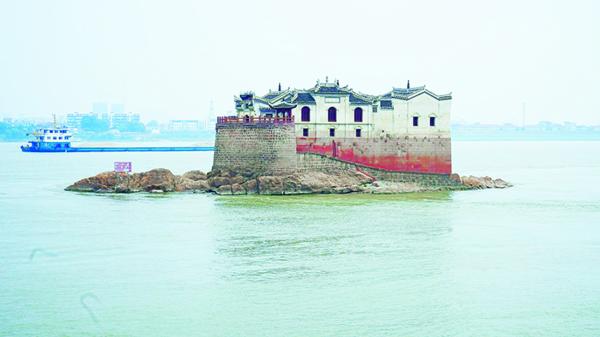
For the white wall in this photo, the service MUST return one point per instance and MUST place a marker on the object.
(396, 122)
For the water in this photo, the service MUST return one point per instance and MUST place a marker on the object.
(516, 262)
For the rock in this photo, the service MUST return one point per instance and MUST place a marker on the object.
(270, 185)
(218, 181)
(101, 183)
(231, 183)
(189, 185)
(237, 180)
(195, 175)
(156, 179)
(223, 190)
(237, 189)
(499, 183)
(250, 186)
(472, 182)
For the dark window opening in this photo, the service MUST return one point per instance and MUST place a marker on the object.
(332, 132)
(332, 115)
(358, 115)
(358, 133)
(415, 121)
(305, 114)
(304, 132)
(431, 121)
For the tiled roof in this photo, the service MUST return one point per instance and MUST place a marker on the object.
(358, 100)
(246, 96)
(330, 90)
(292, 97)
(305, 97)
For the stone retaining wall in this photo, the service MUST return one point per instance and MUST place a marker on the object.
(260, 148)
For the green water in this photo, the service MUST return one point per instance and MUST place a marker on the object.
(517, 262)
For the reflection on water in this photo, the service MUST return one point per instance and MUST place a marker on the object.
(325, 237)
(276, 201)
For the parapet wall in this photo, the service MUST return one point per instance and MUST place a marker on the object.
(258, 148)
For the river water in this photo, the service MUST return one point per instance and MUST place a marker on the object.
(516, 262)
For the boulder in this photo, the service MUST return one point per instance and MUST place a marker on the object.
(195, 175)
(218, 181)
(102, 182)
(237, 180)
(270, 185)
(251, 186)
(156, 179)
(223, 190)
(189, 185)
(472, 182)
(499, 183)
(237, 189)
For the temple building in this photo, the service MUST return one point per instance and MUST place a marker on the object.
(406, 129)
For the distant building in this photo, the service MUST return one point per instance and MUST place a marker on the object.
(74, 120)
(184, 125)
(119, 120)
(134, 118)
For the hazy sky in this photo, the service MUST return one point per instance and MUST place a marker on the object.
(169, 59)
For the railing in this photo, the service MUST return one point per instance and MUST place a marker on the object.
(254, 120)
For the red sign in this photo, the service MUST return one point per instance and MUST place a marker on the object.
(122, 166)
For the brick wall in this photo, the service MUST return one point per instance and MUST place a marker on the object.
(260, 148)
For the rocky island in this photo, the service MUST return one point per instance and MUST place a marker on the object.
(325, 139)
(232, 183)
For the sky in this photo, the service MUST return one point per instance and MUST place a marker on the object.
(170, 59)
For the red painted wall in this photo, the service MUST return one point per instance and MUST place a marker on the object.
(420, 155)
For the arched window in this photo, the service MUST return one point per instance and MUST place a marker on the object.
(415, 120)
(305, 112)
(332, 114)
(431, 120)
(358, 115)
